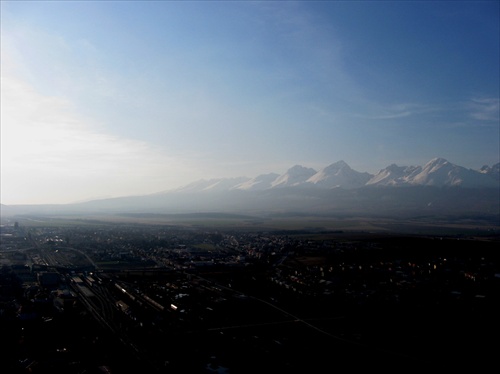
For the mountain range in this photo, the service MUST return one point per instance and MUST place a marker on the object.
(437, 172)
(439, 188)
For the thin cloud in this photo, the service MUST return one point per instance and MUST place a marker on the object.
(396, 111)
(484, 109)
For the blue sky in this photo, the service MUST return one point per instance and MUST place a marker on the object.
(116, 98)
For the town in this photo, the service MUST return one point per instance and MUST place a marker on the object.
(100, 297)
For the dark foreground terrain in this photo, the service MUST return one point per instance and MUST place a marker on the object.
(122, 298)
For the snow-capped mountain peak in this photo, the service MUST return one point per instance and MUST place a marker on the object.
(437, 163)
(338, 165)
(293, 177)
(339, 174)
(440, 172)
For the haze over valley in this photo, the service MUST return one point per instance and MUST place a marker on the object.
(437, 194)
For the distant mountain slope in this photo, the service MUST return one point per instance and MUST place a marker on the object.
(216, 184)
(394, 175)
(493, 171)
(261, 182)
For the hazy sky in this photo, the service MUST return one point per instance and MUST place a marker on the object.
(114, 98)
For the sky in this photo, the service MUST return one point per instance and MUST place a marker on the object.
(117, 98)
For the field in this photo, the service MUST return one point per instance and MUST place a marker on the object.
(428, 225)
